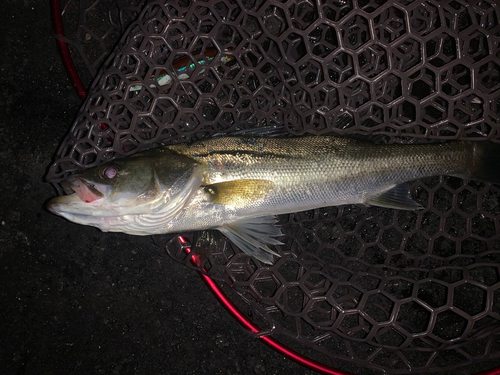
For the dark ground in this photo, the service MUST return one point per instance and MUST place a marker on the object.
(73, 299)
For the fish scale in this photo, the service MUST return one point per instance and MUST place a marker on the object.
(311, 172)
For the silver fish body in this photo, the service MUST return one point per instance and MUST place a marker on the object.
(238, 184)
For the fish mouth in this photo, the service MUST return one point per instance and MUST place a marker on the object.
(82, 198)
(83, 189)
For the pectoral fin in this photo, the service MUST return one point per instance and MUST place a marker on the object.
(398, 197)
(253, 235)
(239, 193)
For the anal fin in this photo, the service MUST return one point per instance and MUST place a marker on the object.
(397, 197)
(253, 236)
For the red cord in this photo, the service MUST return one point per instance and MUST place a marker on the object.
(280, 348)
(69, 66)
(491, 372)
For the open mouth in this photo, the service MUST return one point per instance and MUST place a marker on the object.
(85, 191)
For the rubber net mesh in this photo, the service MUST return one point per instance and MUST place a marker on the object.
(355, 287)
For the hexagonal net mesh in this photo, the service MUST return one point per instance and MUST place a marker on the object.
(365, 289)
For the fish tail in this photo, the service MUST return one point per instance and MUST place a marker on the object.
(486, 162)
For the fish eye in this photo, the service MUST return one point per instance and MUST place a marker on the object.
(109, 171)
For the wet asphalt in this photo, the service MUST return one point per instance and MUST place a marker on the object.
(73, 299)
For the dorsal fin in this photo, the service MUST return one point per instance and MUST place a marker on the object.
(266, 131)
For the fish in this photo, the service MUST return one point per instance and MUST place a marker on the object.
(238, 184)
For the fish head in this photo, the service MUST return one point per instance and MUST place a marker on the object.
(116, 195)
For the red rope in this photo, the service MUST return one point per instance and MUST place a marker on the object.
(249, 325)
(69, 66)
(495, 371)
(280, 348)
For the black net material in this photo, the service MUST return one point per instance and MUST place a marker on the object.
(92, 29)
(360, 288)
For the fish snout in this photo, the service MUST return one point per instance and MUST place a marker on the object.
(85, 190)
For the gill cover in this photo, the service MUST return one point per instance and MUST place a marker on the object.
(163, 210)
